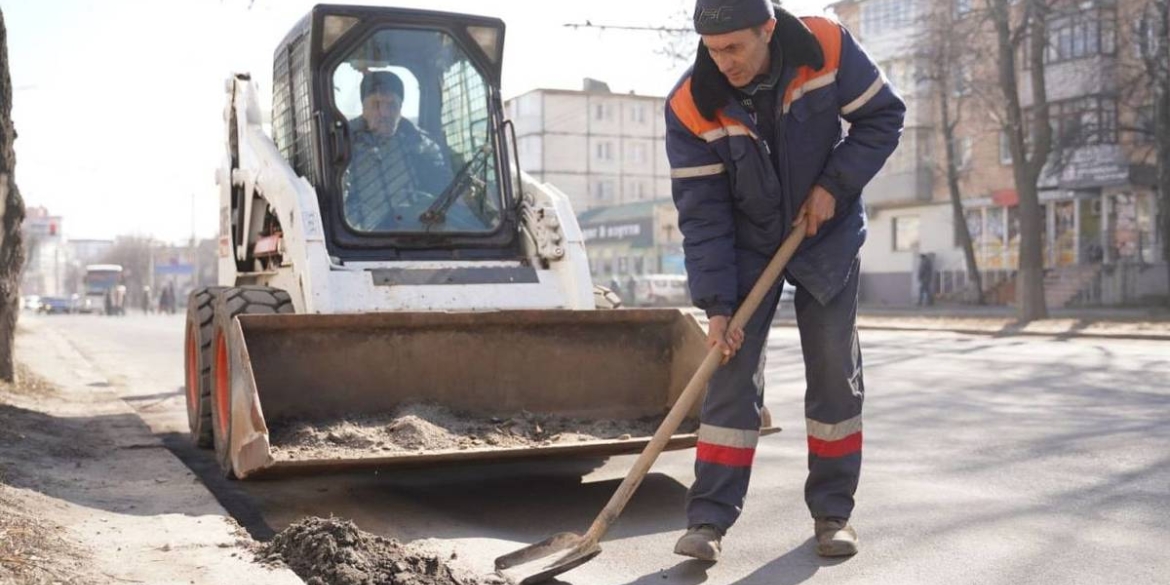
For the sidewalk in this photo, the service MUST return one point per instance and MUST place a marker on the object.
(1119, 323)
(89, 464)
(1152, 324)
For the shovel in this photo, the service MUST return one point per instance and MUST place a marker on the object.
(567, 550)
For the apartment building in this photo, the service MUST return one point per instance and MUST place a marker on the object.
(1099, 205)
(600, 148)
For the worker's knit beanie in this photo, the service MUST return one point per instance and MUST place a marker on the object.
(381, 81)
(716, 17)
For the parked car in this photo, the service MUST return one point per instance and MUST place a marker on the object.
(30, 302)
(660, 290)
(58, 305)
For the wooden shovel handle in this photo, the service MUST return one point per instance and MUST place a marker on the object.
(693, 391)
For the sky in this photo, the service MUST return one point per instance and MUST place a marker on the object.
(118, 104)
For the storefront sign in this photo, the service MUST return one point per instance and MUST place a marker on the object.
(1099, 165)
(637, 232)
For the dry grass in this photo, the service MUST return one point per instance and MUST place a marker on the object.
(27, 384)
(33, 550)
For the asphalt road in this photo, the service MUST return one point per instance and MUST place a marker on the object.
(990, 460)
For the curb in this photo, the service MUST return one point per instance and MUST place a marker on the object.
(1001, 333)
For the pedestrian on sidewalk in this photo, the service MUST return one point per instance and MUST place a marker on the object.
(925, 280)
(754, 140)
(146, 308)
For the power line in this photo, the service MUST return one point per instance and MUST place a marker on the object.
(603, 27)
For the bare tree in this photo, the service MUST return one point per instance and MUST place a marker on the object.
(944, 48)
(133, 254)
(1153, 32)
(11, 241)
(1029, 157)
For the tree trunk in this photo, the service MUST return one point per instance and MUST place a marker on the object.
(1162, 133)
(11, 218)
(1159, 72)
(1026, 169)
(948, 126)
(1030, 292)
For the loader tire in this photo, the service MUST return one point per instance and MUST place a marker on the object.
(230, 303)
(197, 363)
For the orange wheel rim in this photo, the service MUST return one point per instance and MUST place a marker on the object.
(222, 389)
(192, 369)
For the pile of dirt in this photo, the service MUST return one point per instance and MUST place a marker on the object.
(332, 551)
(431, 428)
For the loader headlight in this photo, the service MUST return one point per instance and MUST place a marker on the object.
(335, 28)
(488, 39)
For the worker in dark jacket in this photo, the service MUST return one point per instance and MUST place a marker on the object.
(755, 143)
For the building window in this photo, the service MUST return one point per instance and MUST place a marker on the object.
(906, 233)
(1080, 121)
(603, 190)
(1146, 33)
(963, 152)
(638, 113)
(879, 16)
(1082, 34)
(960, 80)
(636, 154)
(1143, 125)
(604, 151)
(602, 112)
(1088, 120)
(902, 75)
(974, 219)
(1005, 148)
(964, 7)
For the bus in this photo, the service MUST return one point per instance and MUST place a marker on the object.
(100, 280)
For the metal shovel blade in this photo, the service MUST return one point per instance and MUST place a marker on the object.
(546, 559)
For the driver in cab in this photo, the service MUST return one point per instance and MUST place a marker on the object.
(395, 168)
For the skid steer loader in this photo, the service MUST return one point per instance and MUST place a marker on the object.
(382, 248)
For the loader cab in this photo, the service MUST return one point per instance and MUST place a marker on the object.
(395, 117)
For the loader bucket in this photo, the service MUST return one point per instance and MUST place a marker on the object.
(308, 370)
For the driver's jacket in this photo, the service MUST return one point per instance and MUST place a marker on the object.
(387, 171)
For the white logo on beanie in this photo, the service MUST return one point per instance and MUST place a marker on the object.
(720, 14)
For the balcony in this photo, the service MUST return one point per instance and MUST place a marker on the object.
(891, 188)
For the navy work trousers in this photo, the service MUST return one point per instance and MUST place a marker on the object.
(730, 419)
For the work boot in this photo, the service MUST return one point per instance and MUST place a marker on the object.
(835, 538)
(700, 542)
